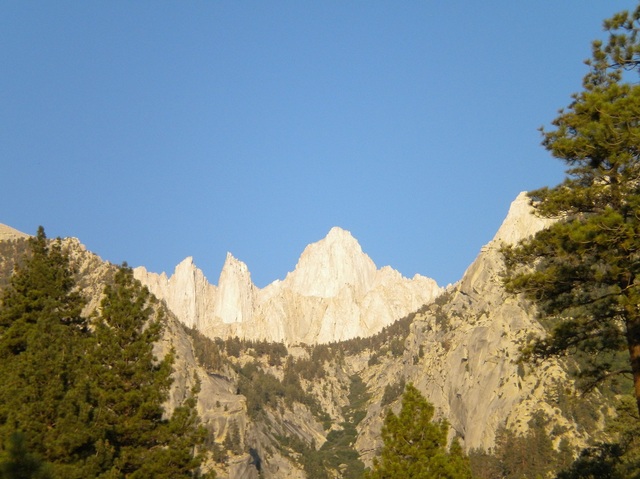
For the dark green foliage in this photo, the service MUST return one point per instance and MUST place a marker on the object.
(484, 465)
(373, 360)
(528, 456)
(263, 390)
(583, 411)
(339, 448)
(233, 346)
(132, 385)
(43, 340)
(358, 394)
(582, 272)
(81, 400)
(337, 455)
(232, 441)
(396, 347)
(392, 392)
(207, 352)
(309, 369)
(599, 462)
(397, 331)
(416, 446)
(617, 459)
(17, 462)
(12, 253)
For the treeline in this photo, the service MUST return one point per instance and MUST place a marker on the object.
(82, 397)
(381, 342)
(214, 354)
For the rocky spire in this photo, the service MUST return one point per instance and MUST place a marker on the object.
(334, 293)
(520, 222)
(235, 297)
(327, 266)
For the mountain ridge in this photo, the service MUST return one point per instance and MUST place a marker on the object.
(459, 348)
(334, 293)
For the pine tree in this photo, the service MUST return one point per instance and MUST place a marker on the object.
(82, 399)
(131, 385)
(19, 463)
(43, 340)
(583, 272)
(415, 446)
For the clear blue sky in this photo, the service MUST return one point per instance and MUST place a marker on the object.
(154, 131)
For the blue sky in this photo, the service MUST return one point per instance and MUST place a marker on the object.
(154, 131)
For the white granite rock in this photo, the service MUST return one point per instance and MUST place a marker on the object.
(334, 293)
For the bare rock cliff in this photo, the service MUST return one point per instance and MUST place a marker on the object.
(334, 293)
(462, 352)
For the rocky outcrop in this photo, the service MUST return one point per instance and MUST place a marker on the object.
(235, 298)
(462, 353)
(325, 268)
(334, 293)
(186, 291)
(520, 222)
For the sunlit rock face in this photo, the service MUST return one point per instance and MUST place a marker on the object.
(520, 223)
(186, 291)
(462, 353)
(325, 268)
(9, 233)
(334, 293)
(235, 297)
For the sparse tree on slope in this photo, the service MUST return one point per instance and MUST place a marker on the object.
(584, 271)
(415, 446)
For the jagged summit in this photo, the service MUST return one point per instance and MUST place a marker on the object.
(325, 267)
(334, 293)
(520, 222)
(235, 296)
(339, 234)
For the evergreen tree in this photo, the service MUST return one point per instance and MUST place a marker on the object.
(583, 272)
(131, 385)
(85, 400)
(43, 340)
(612, 460)
(415, 446)
(232, 441)
(527, 456)
(18, 462)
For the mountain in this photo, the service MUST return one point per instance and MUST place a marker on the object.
(354, 335)
(334, 293)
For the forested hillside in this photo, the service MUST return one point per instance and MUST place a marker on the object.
(82, 396)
